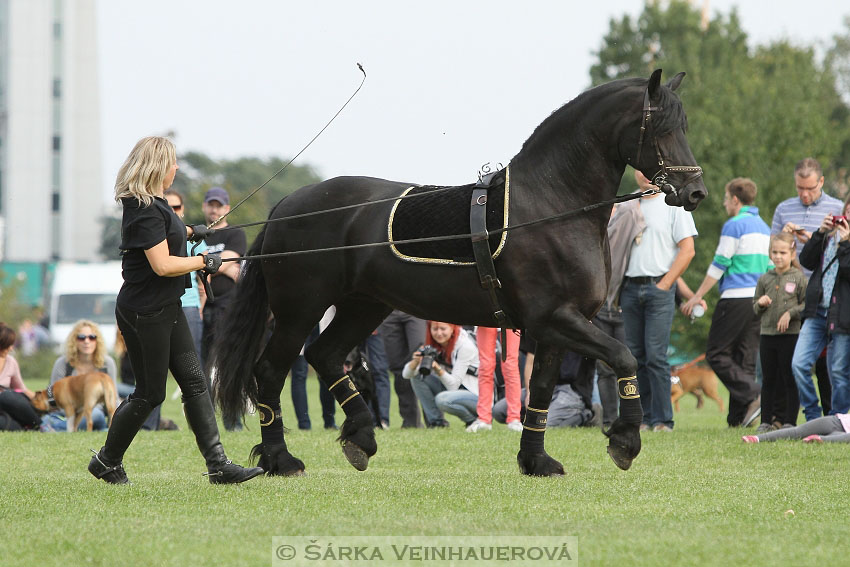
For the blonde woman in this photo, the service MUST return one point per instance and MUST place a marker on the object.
(84, 352)
(156, 273)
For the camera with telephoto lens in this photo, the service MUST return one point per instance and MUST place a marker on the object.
(428, 353)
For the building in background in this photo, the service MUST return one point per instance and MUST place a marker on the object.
(51, 201)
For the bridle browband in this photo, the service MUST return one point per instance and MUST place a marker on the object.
(660, 179)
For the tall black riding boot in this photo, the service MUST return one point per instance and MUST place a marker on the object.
(126, 422)
(201, 419)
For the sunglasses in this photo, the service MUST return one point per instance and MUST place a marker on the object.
(176, 207)
(82, 337)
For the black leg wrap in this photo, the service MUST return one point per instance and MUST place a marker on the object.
(272, 454)
(533, 430)
(532, 458)
(357, 437)
(347, 396)
(624, 435)
(630, 408)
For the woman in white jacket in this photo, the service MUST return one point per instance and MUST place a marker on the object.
(450, 385)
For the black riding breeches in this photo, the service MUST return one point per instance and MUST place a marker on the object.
(157, 342)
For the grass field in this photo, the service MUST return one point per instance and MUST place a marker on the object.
(697, 496)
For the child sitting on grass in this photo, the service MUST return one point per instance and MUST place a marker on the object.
(830, 428)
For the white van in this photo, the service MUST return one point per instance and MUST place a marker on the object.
(84, 291)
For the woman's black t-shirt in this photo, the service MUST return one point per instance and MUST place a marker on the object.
(143, 228)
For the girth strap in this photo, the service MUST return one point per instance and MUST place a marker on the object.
(484, 257)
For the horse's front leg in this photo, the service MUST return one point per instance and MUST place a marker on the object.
(532, 457)
(580, 336)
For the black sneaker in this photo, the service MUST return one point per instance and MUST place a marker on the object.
(113, 474)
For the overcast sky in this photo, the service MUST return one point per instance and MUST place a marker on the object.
(451, 84)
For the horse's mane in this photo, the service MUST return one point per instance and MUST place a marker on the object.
(563, 135)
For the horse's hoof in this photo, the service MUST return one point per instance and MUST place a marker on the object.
(355, 455)
(623, 443)
(357, 437)
(539, 464)
(620, 457)
(277, 461)
(293, 472)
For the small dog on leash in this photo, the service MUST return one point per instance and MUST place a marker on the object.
(77, 396)
(694, 379)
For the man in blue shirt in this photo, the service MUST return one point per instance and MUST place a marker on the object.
(741, 258)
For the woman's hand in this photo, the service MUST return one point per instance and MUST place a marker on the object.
(843, 229)
(826, 225)
(437, 368)
(197, 232)
(417, 358)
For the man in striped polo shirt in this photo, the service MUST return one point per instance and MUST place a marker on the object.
(741, 258)
(803, 214)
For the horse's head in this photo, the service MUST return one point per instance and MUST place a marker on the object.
(660, 147)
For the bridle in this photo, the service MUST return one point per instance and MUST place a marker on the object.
(660, 179)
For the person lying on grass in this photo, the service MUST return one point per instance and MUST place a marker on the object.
(830, 428)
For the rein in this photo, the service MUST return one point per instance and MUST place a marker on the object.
(566, 214)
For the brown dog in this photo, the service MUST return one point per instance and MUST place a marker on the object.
(696, 380)
(77, 396)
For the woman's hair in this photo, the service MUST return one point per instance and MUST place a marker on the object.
(788, 239)
(174, 192)
(7, 336)
(450, 347)
(72, 355)
(145, 169)
(120, 345)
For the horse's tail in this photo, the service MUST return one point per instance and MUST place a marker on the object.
(239, 337)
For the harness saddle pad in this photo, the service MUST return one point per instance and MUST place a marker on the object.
(446, 213)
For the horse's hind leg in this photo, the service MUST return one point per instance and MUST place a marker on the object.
(532, 457)
(270, 371)
(354, 320)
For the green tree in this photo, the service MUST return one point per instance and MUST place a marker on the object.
(752, 112)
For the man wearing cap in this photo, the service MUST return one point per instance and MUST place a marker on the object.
(230, 243)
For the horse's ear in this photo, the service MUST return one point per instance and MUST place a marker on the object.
(676, 81)
(654, 83)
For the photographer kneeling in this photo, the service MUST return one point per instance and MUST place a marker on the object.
(444, 374)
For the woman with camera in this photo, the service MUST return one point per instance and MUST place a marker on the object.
(444, 374)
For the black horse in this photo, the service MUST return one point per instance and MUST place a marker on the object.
(554, 275)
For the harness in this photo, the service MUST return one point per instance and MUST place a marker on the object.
(487, 277)
(660, 178)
